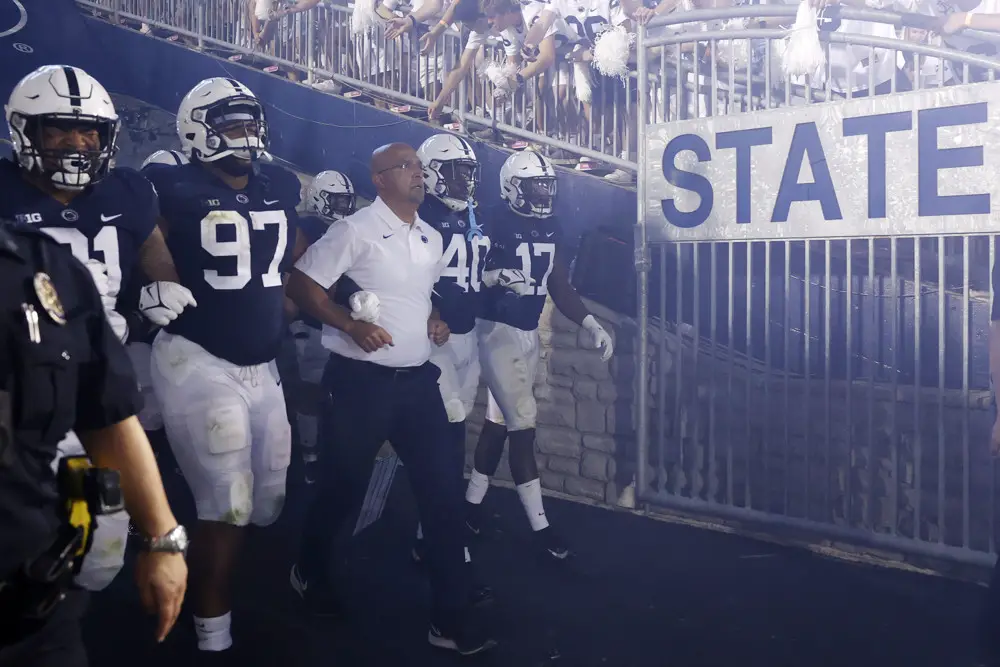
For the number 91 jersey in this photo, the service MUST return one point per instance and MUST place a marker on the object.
(107, 222)
(230, 248)
(530, 245)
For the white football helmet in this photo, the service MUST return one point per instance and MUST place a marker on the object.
(172, 158)
(331, 196)
(67, 108)
(213, 112)
(451, 170)
(528, 184)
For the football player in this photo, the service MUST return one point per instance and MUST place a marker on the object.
(451, 174)
(330, 198)
(165, 157)
(526, 236)
(64, 130)
(230, 220)
(141, 338)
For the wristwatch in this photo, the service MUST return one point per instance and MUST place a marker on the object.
(174, 541)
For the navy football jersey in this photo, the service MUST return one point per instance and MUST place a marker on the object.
(528, 244)
(108, 221)
(230, 248)
(313, 228)
(458, 293)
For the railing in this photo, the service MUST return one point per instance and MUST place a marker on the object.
(816, 369)
(319, 46)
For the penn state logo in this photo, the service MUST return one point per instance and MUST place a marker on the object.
(69, 215)
(242, 198)
(12, 22)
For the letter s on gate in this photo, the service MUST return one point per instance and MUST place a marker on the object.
(687, 180)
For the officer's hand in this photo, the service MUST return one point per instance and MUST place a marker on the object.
(162, 581)
(438, 332)
(369, 337)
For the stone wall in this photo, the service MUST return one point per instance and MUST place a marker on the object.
(585, 412)
(865, 456)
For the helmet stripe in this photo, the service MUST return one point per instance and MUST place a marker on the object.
(73, 87)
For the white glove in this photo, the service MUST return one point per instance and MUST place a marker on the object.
(161, 302)
(602, 341)
(512, 279)
(99, 272)
(364, 307)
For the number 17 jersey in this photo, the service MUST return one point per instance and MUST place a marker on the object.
(530, 245)
(231, 248)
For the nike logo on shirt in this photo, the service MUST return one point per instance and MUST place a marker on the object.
(109, 218)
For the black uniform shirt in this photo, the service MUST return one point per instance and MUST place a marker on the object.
(53, 378)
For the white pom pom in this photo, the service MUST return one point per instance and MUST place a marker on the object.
(735, 51)
(803, 53)
(364, 19)
(611, 50)
(501, 77)
(581, 83)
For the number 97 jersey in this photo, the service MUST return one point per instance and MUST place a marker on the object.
(231, 248)
(530, 245)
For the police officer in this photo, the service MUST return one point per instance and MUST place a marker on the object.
(62, 368)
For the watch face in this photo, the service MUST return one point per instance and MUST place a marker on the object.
(180, 538)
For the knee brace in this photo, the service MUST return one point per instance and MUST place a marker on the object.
(231, 499)
(268, 501)
(525, 414)
(271, 470)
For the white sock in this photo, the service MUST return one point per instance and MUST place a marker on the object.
(308, 429)
(531, 498)
(468, 557)
(213, 633)
(420, 531)
(479, 484)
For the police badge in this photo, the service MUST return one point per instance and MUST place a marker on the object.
(49, 298)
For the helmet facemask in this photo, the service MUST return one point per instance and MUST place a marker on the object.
(536, 195)
(337, 205)
(234, 126)
(457, 180)
(44, 147)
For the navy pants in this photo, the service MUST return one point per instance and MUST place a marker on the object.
(372, 404)
(55, 642)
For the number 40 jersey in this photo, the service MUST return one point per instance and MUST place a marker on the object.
(230, 248)
(457, 293)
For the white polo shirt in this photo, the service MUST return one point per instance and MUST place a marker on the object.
(397, 262)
